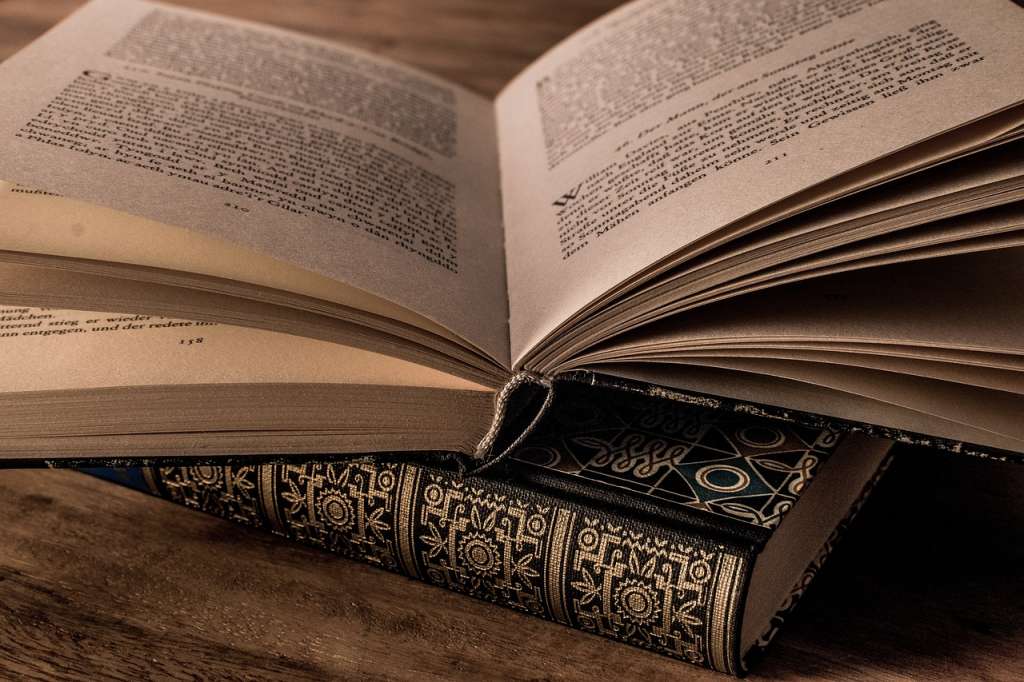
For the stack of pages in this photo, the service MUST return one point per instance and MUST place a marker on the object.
(298, 247)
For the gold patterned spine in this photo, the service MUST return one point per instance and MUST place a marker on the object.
(724, 608)
(405, 513)
(268, 498)
(642, 583)
(561, 529)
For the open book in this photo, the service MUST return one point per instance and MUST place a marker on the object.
(299, 247)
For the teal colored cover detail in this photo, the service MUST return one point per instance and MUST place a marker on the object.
(131, 477)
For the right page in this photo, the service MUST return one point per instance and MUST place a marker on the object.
(670, 119)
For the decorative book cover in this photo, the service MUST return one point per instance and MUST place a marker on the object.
(801, 417)
(634, 518)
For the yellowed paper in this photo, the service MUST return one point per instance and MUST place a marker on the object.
(50, 349)
(666, 121)
(328, 158)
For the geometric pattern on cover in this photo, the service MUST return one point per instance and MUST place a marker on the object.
(721, 462)
(595, 567)
(619, 577)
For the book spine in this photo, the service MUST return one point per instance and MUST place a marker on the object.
(625, 578)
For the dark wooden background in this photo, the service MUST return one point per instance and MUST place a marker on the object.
(97, 581)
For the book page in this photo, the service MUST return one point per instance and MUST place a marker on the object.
(327, 158)
(36, 222)
(968, 302)
(670, 119)
(46, 349)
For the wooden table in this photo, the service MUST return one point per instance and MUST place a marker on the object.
(96, 579)
(100, 581)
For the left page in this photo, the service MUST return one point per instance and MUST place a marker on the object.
(370, 173)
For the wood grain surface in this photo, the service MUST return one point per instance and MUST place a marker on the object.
(100, 582)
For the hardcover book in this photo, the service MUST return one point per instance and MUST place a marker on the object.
(221, 239)
(687, 531)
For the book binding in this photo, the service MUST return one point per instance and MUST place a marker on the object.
(676, 594)
(488, 451)
(600, 521)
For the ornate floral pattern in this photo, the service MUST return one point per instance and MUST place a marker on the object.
(642, 584)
